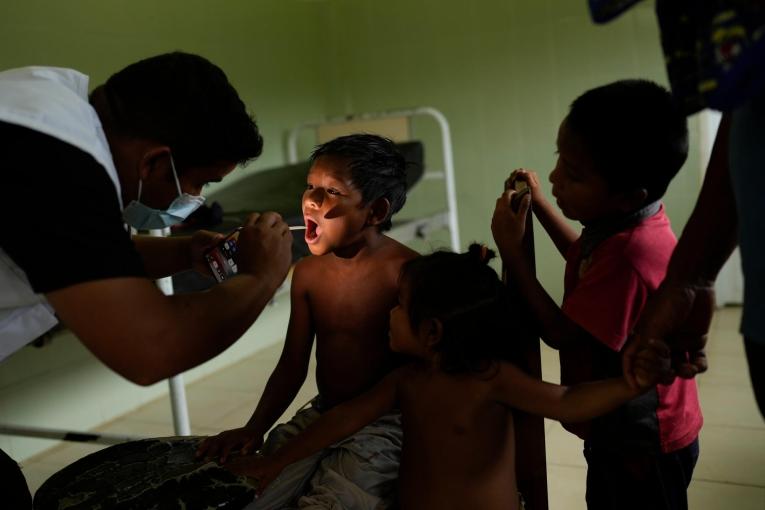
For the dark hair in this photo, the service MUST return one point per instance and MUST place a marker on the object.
(378, 169)
(465, 294)
(186, 102)
(635, 132)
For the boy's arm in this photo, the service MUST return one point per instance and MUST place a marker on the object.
(508, 227)
(339, 422)
(285, 380)
(556, 226)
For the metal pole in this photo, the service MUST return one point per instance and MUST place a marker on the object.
(181, 423)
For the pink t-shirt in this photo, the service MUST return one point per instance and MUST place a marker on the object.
(605, 294)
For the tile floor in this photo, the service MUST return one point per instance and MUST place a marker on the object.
(730, 473)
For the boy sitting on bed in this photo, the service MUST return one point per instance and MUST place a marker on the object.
(342, 295)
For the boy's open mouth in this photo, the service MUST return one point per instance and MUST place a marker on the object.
(312, 230)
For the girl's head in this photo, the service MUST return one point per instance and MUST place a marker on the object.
(452, 306)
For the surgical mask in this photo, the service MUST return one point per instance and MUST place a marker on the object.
(142, 217)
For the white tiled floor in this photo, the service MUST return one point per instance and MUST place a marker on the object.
(730, 473)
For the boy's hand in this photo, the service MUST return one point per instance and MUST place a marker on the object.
(245, 440)
(531, 179)
(507, 225)
(651, 364)
(262, 470)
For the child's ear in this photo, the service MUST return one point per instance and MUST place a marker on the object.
(634, 200)
(379, 211)
(433, 331)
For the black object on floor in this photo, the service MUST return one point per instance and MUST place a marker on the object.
(151, 474)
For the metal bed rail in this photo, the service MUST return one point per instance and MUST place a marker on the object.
(446, 149)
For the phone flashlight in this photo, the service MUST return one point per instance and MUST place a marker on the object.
(220, 257)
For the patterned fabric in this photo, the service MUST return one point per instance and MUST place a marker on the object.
(151, 474)
(714, 49)
(357, 473)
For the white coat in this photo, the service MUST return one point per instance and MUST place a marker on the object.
(53, 101)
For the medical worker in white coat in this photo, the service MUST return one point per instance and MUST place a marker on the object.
(76, 169)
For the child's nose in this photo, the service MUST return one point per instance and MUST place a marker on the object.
(553, 175)
(313, 197)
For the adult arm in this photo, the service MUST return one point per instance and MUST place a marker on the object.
(680, 311)
(166, 256)
(146, 336)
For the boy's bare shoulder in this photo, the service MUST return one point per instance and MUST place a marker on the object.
(389, 254)
(306, 269)
(393, 250)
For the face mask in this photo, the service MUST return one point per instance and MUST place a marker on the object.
(142, 217)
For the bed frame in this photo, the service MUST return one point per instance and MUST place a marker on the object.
(376, 122)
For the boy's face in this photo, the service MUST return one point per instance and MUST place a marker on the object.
(581, 193)
(332, 207)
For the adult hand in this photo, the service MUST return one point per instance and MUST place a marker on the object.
(651, 364)
(201, 241)
(508, 225)
(265, 246)
(244, 439)
(679, 316)
(263, 470)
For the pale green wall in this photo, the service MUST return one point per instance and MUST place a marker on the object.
(267, 48)
(502, 71)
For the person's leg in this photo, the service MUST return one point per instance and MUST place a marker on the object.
(603, 480)
(747, 166)
(639, 480)
(676, 471)
(291, 482)
(361, 471)
(755, 356)
(15, 491)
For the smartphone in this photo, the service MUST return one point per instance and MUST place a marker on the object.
(220, 257)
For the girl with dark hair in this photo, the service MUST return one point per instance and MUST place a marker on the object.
(457, 396)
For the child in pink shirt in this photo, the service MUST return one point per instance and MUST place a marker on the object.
(618, 149)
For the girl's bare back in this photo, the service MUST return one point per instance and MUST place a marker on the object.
(459, 450)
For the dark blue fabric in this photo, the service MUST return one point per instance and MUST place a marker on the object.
(638, 480)
(714, 49)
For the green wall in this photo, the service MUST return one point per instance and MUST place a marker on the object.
(267, 48)
(502, 71)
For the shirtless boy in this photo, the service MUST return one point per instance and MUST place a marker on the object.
(342, 296)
